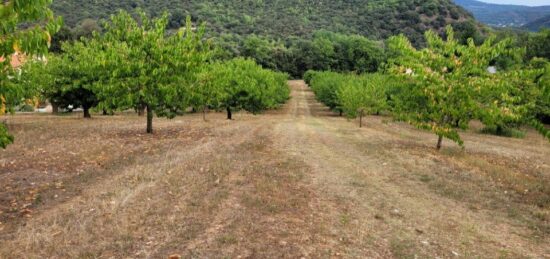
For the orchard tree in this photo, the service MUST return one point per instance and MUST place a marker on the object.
(149, 68)
(447, 84)
(208, 93)
(309, 75)
(241, 84)
(326, 85)
(26, 27)
(542, 111)
(542, 108)
(361, 95)
(67, 79)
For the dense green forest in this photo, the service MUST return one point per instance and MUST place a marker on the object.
(377, 19)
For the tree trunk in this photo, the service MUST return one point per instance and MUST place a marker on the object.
(141, 111)
(229, 115)
(341, 112)
(87, 114)
(204, 112)
(149, 119)
(361, 119)
(439, 142)
(55, 108)
(444, 120)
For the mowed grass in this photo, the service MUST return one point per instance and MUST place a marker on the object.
(297, 182)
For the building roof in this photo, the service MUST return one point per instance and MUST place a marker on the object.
(17, 60)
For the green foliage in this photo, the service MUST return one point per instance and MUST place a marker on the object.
(240, 84)
(324, 51)
(139, 65)
(26, 27)
(290, 36)
(283, 19)
(542, 109)
(309, 75)
(364, 94)
(447, 85)
(5, 137)
(67, 79)
(326, 85)
(354, 95)
(538, 44)
(504, 132)
(148, 67)
(541, 128)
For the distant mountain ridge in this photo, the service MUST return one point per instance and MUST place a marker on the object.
(538, 24)
(500, 15)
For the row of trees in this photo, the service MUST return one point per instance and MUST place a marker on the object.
(443, 87)
(351, 94)
(137, 64)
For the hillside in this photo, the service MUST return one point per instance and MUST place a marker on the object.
(538, 24)
(374, 18)
(504, 15)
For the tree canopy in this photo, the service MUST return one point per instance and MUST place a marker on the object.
(149, 68)
(448, 84)
(241, 84)
(26, 27)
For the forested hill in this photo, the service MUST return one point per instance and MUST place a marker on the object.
(283, 18)
(501, 15)
(538, 24)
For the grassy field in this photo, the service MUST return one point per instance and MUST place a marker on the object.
(297, 182)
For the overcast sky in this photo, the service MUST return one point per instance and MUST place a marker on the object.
(520, 2)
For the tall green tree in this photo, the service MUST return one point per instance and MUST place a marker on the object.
(26, 26)
(66, 79)
(365, 94)
(447, 84)
(150, 68)
(241, 84)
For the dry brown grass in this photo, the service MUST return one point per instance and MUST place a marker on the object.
(297, 182)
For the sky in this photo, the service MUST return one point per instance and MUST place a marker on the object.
(519, 2)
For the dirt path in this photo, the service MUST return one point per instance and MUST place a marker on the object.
(298, 182)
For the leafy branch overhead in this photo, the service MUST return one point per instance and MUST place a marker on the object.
(26, 27)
